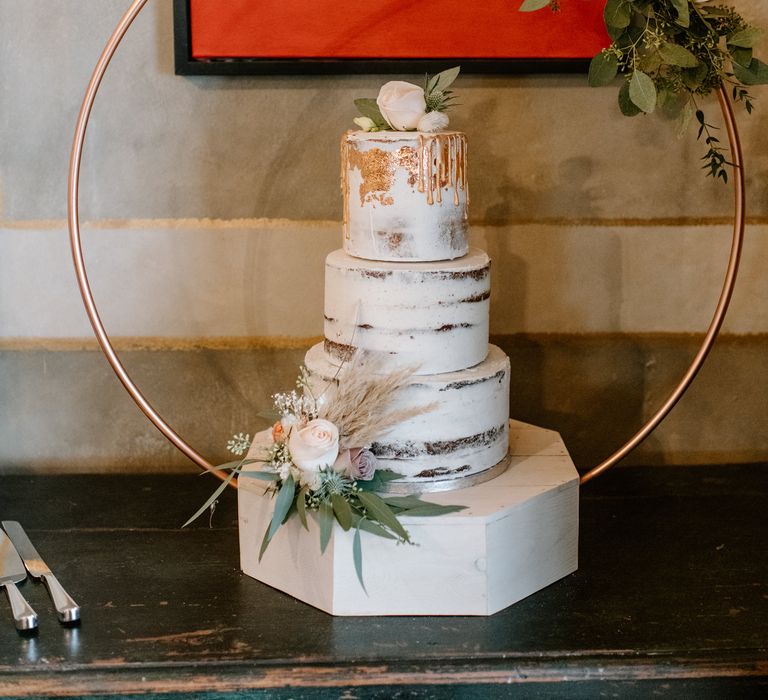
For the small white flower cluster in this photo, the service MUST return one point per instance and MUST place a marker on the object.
(281, 462)
(294, 404)
(239, 444)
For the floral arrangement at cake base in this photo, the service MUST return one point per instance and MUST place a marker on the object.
(316, 462)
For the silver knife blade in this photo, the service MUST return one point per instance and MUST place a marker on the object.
(26, 550)
(11, 567)
(67, 609)
(12, 572)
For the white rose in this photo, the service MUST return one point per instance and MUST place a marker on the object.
(433, 121)
(365, 123)
(401, 104)
(314, 446)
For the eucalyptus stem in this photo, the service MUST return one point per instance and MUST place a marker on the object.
(671, 52)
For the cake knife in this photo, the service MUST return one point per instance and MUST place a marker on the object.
(66, 608)
(11, 573)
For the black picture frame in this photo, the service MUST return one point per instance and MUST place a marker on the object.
(185, 64)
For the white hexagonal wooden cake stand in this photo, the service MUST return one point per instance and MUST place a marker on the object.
(518, 534)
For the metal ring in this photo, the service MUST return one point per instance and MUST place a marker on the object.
(720, 309)
(73, 220)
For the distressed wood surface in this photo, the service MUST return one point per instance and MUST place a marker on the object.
(671, 597)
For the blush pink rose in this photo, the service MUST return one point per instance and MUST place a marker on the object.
(314, 446)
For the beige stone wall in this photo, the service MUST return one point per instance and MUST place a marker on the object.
(210, 202)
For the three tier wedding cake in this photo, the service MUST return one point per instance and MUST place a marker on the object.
(405, 396)
(407, 286)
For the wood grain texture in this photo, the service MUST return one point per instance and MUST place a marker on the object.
(670, 598)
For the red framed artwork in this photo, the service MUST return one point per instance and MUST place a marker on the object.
(379, 36)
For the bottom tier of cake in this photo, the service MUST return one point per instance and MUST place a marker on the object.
(465, 433)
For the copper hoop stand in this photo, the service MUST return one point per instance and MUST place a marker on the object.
(160, 423)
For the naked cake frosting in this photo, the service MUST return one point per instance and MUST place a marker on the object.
(406, 286)
(405, 195)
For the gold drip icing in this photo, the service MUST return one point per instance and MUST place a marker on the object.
(437, 163)
(442, 165)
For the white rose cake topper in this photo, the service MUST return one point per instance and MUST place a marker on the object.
(402, 106)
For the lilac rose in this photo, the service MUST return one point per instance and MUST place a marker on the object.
(357, 464)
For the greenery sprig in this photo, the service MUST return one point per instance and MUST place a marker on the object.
(671, 53)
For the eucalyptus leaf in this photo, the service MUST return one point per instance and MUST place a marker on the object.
(603, 69)
(741, 56)
(264, 476)
(642, 91)
(283, 504)
(643, 7)
(213, 497)
(378, 510)
(372, 527)
(444, 79)
(533, 5)
(617, 13)
(755, 74)
(684, 119)
(222, 467)
(746, 38)
(676, 55)
(357, 557)
(368, 108)
(618, 34)
(713, 11)
(650, 63)
(264, 543)
(231, 465)
(671, 103)
(380, 478)
(411, 501)
(683, 15)
(627, 107)
(342, 511)
(427, 510)
(301, 506)
(694, 77)
(635, 35)
(325, 516)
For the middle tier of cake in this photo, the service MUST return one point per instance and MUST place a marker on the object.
(432, 316)
(464, 432)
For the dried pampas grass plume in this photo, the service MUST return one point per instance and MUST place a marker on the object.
(361, 405)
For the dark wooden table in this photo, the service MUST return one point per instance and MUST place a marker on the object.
(671, 598)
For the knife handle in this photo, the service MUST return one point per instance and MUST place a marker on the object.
(66, 608)
(23, 615)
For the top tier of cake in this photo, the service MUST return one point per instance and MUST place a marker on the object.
(405, 195)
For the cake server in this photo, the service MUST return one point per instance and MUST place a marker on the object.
(12, 572)
(66, 608)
